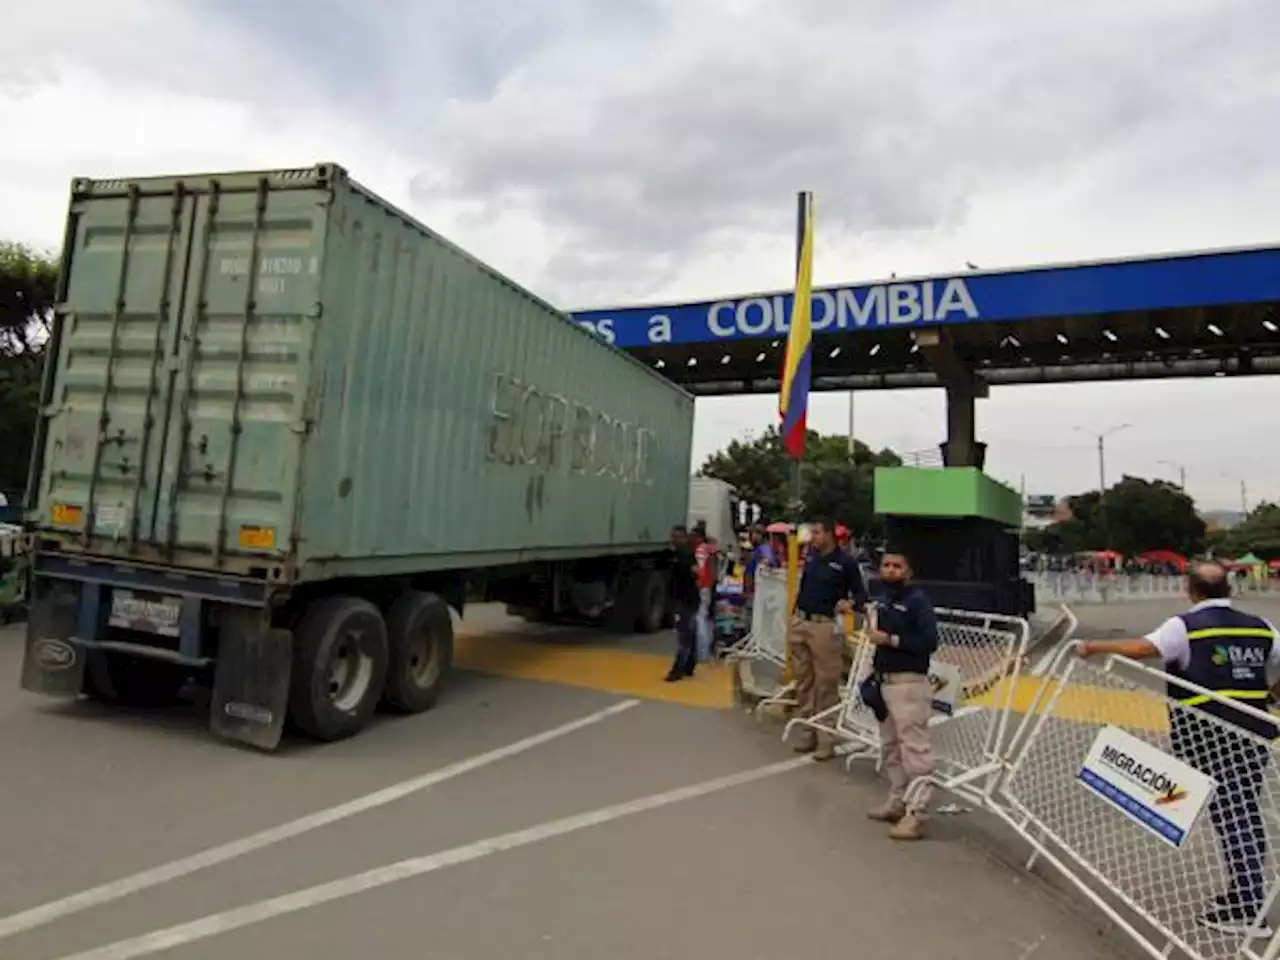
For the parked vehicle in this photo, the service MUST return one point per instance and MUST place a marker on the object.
(14, 574)
(287, 428)
(713, 503)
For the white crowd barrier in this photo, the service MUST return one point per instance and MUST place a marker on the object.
(1084, 586)
(766, 641)
(1142, 802)
(1150, 807)
(974, 673)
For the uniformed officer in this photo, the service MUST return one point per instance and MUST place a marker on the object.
(830, 585)
(906, 636)
(1220, 648)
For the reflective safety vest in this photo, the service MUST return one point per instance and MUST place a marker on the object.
(1229, 653)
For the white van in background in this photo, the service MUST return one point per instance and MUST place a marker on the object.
(715, 503)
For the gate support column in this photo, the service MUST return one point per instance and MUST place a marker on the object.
(964, 387)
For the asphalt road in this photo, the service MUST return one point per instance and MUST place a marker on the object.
(629, 827)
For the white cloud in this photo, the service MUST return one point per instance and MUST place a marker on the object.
(625, 151)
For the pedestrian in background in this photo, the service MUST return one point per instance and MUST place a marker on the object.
(706, 557)
(1220, 648)
(906, 636)
(685, 601)
(830, 585)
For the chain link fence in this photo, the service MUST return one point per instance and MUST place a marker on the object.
(974, 673)
(1156, 810)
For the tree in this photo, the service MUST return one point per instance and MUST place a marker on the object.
(1259, 532)
(1139, 515)
(1132, 517)
(832, 484)
(28, 285)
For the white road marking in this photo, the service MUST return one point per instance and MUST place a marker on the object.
(176, 869)
(215, 924)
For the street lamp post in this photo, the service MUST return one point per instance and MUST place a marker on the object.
(1244, 493)
(1101, 439)
(1182, 471)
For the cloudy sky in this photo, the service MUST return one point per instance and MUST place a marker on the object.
(607, 151)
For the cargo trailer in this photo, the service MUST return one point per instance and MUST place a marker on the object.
(285, 428)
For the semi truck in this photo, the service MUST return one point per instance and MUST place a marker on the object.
(285, 429)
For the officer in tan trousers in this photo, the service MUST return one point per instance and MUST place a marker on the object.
(830, 585)
(906, 636)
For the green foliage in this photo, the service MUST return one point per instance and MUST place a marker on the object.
(1258, 532)
(28, 284)
(832, 484)
(1134, 516)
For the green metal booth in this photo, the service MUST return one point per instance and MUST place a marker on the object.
(960, 529)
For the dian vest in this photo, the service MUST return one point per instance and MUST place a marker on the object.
(1229, 653)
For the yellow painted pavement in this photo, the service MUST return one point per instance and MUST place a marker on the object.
(633, 673)
(1083, 703)
(625, 672)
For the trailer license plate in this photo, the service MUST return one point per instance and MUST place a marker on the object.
(148, 613)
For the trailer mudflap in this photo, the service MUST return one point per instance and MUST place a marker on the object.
(54, 662)
(251, 681)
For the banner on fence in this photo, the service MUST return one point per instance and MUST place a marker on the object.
(769, 614)
(947, 681)
(1155, 790)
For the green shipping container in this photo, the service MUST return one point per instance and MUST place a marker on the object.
(280, 375)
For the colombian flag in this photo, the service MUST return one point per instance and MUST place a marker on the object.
(793, 399)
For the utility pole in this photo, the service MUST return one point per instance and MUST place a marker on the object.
(1022, 516)
(852, 442)
(1244, 493)
(1182, 472)
(1101, 439)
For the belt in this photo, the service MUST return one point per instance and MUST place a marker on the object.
(901, 677)
(814, 617)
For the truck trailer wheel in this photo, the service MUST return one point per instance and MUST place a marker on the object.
(653, 602)
(420, 637)
(132, 681)
(339, 667)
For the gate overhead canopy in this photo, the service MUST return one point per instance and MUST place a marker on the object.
(1212, 313)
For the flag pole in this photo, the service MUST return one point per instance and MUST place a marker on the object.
(793, 395)
(802, 211)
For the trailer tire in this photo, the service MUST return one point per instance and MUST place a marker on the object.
(132, 681)
(653, 602)
(420, 641)
(339, 667)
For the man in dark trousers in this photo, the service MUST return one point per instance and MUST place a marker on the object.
(830, 585)
(686, 601)
(1220, 648)
(906, 636)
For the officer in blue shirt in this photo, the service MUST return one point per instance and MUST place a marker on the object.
(906, 636)
(830, 584)
(1220, 648)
